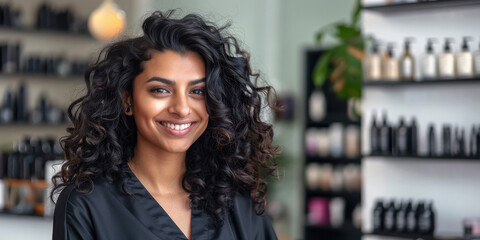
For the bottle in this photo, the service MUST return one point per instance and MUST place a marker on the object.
(446, 62)
(378, 216)
(446, 140)
(374, 136)
(412, 142)
(426, 219)
(477, 61)
(21, 103)
(411, 220)
(459, 149)
(432, 146)
(7, 111)
(374, 64)
(407, 62)
(429, 62)
(478, 142)
(390, 67)
(402, 136)
(385, 137)
(473, 142)
(465, 68)
(390, 217)
(401, 221)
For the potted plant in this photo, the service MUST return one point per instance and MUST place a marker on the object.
(342, 63)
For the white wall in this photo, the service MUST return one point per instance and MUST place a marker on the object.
(453, 185)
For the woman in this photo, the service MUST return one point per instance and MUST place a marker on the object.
(168, 142)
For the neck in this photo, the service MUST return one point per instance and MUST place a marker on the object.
(160, 172)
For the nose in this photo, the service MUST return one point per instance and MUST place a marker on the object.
(179, 106)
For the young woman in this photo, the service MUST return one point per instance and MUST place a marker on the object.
(168, 142)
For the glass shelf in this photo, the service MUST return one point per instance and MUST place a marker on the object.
(332, 160)
(420, 5)
(355, 196)
(420, 82)
(30, 30)
(426, 157)
(413, 236)
(41, 76)
(332, 118)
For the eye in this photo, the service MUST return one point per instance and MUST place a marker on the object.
(200, 91)
(158, 90)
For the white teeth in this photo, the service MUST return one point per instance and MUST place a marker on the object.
(176, 126)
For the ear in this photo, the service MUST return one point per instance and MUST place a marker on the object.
(127, 103)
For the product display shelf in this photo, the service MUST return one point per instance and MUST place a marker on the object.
(332, 118)
(39, 76)
(353, 196)
(420, 82)
(332, 160)
(412, 236)
(346, 228)
(336, 112)
(426, 157)
(31, 216)
(419, 5)
(36, 31)
(34, 125)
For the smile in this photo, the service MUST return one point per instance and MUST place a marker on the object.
(176, 126)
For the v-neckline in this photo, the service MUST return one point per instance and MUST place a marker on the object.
(163, 225)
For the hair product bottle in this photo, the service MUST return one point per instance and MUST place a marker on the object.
(374, 64)
(374, 135)
(391, 70)
(465, 68)
(429, 62)
(407, 62)
(446, 62)
(378, 216)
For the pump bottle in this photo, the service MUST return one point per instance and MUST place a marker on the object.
(374, 64)
(446, 62)
(390, 65)
(429, 62)
(465, 68)
(407, 62)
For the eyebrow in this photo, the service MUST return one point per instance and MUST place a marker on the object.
(172, 83)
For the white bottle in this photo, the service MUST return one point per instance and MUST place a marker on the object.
(446, 62)
(374, 64)
(407, 63)
(465, 68)
(429, 62)
(391, 71)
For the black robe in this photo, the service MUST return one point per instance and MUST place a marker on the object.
(109, 213)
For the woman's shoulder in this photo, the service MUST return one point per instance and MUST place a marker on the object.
(84, 194)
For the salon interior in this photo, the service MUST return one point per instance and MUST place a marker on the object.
(379, 125)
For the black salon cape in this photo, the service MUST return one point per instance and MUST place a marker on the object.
(109, 213)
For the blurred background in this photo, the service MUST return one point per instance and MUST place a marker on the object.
(380, 127)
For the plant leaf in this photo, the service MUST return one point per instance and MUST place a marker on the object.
(322, 70)
(356, 12)
(346, 33)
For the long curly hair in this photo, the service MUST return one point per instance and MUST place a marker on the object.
(234, 154)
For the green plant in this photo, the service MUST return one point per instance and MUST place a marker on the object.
(342, 63)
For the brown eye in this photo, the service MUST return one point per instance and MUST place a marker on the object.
(158, 90)
(199, 91)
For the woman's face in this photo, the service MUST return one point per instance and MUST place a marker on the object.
(169, 101)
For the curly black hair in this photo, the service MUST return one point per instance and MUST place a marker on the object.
(234, 154)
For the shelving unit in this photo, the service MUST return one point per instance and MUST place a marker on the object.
(421, 82)
(419, 5)
(57, 33)
(436, 101)
(336, 112)
(412, 236)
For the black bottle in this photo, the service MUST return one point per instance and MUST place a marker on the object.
(459, 146)
(390, 217)
(385, 137)
(378, 216)
(39, 166)
(20, 111)
(432, 144)
(446, 140)
(374, 136)
(402, 136)
(473, 142)
(401, 221)
(26, 159)
(13, 164)
(411, 220)
(7, 110)
(413, 138)
(478, 142)
(426, 219)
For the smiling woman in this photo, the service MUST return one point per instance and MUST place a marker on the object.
(168, 142)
